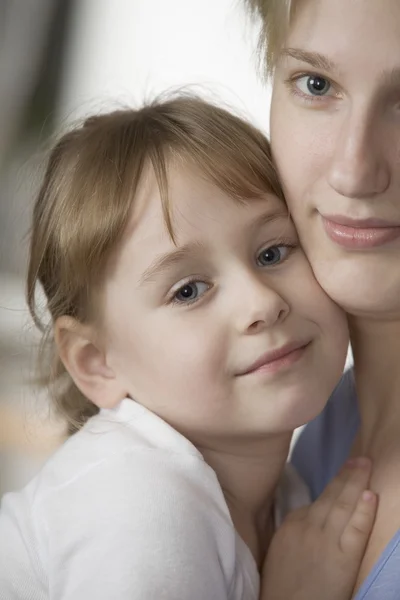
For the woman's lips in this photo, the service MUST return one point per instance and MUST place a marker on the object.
(367, 233)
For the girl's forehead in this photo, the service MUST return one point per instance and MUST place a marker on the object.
(200, 212)
(191, 196)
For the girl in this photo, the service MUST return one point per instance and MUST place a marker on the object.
(336, 90)
(188, 338)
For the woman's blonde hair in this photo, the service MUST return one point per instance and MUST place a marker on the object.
(274, 16)
(85, 200)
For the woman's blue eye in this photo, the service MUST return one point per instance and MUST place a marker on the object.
(190, 291)
(313, 85)
(272, 255)
(318, 85)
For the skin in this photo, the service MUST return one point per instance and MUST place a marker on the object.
(347, 152)
(338, 153)
(149, 336)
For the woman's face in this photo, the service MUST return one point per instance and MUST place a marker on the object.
(335, 131)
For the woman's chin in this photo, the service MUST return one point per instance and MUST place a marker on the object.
(361, 290)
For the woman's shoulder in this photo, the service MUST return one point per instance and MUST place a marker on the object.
(383, 580)
(340, 412)
(324, 444)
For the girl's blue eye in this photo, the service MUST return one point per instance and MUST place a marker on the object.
(314, 85)
(190, 292)
(272, 255)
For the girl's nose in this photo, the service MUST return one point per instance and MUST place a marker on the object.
(259, 306)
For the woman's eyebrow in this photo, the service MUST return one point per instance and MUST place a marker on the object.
(389, 78)
(165, 262)
(315, 59)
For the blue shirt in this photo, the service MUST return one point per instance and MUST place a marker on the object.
(321, 450)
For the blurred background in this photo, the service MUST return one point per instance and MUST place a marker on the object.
(59, 61)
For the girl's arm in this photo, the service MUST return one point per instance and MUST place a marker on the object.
(317, 552)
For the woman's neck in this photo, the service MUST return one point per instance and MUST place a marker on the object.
(376, 351)
(248, 475)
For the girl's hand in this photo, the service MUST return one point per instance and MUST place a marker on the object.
(317, 552)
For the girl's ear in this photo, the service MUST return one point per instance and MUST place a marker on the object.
(86, 363)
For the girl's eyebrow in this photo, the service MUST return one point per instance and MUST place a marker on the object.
(315, 59)
(193, 250)
(166, 261)
(268, 217)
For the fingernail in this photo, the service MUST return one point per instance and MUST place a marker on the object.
(368, 496)
(360, 462)
(363, 461)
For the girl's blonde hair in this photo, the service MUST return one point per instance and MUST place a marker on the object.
(275, 17)
(85, 200)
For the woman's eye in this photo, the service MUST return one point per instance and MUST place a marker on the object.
(273, 255)
(313, 84)
(190, 292)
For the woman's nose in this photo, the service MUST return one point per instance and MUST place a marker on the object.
(359, 167)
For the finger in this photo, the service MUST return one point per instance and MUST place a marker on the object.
(357, 531)
(297, 515)
(319, 510)
(345, 504)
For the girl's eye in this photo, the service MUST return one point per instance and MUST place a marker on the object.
(313, 85)
(273, 255)
(190, 292)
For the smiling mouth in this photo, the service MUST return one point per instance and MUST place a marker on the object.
(275, 360)
(359, 234)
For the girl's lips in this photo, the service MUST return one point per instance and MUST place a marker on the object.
(368, 233)
(275, 360)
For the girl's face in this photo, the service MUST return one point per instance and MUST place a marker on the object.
(225, 334)
(335, 130)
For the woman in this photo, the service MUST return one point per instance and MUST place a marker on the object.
(335, 132)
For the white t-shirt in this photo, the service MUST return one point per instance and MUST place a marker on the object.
(126, 509)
